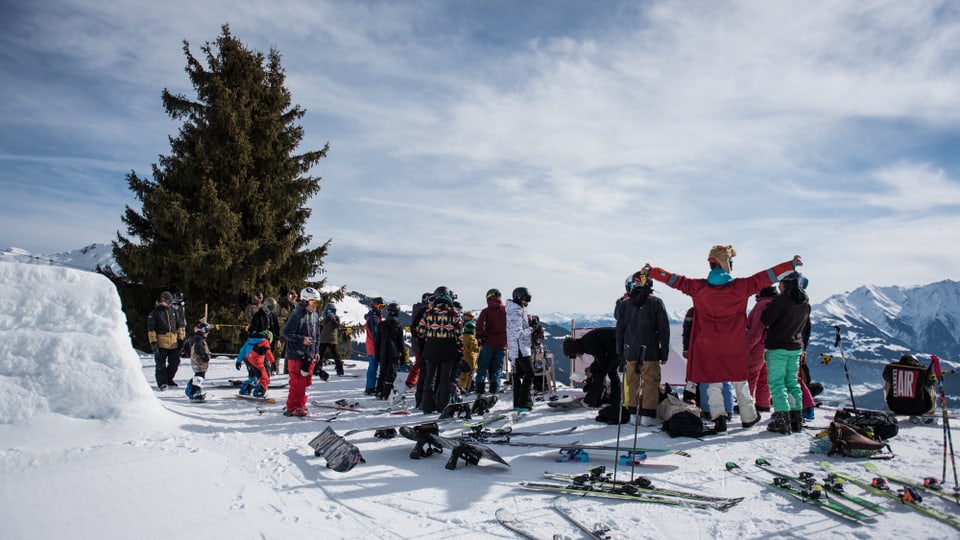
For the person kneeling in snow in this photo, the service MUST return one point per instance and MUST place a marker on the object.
(256, 354)
(199, 352)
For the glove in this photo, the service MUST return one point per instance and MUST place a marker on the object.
(155, 348)
(239, 363)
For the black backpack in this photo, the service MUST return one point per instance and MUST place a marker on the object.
(881, 423)
(685, 424)
(611, 414)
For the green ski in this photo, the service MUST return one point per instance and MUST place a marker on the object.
(831, 487)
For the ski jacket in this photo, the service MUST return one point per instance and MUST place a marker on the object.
(492, 325)
(518, 331)
(718, 345)
(416, 341)
(300, 325)
(329, 327)
(264, 319)
(256, 352)
(785, 320)
(371, 321)
(165, 327)
(389, 346)
(471, 348)
(756, 331)
(199, 352)
(601, 344)
(442, 331)
(643, 323)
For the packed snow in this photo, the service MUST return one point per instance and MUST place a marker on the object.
(91, 449)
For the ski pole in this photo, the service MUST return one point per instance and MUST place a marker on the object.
(623, 363)
(633, 462)
(838, 343)
(947, 436)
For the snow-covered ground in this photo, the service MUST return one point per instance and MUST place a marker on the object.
(91, 450)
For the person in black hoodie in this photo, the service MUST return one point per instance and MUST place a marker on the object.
(389, 350)
(785, 317)
(601, 344)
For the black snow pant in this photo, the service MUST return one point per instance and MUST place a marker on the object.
(523, 382)
(167, 364)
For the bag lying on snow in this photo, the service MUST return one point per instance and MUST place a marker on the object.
(883, 424)
(850, 441)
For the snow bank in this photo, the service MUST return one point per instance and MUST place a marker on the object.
(64, 347)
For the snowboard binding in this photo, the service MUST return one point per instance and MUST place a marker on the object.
(387, 433)
(465, 452)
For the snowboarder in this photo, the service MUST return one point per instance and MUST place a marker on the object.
(199, 352)
(258, 357)
(165, 331)
(389, 349)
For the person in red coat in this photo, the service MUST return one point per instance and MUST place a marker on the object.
(756, 365)
(718, 347)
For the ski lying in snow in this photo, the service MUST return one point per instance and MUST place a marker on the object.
(510, 521)
(482, 435)
(880, 488)
(263, 399)
(625, 492)
(576, 446)
(343, 405)
(341, 456)
(599, 531)
(599, 476)
(812, 497)
(927, 486)
(830, 488)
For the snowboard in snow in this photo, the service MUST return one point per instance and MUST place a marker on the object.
(263, 399)
(237, 383)
(341, 456)
(567, 403)
(469, 451)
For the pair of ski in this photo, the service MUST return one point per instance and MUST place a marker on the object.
(598, 483)
(880, 488)
(803, 489)
(510, 521)
(931, 486)
(510, 417)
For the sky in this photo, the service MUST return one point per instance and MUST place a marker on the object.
(109, 453)
(554, 145)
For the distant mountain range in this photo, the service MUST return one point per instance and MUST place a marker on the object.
(877, 324)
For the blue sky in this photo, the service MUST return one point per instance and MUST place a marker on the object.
(554, 145)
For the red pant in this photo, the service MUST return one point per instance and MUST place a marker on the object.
(297, 391)
(414, 373)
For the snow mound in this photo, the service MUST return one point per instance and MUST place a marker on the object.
(64, 347)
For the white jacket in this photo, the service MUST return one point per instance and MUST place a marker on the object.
(518, 331)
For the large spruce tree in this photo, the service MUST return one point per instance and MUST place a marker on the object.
(224, 212)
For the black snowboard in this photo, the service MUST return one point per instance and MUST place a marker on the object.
(341, 456)
(427, 436)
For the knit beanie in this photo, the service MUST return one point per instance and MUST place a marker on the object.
(468, 316)
(722, 256)
(469, 327)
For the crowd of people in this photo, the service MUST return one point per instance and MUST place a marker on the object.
(735, 359)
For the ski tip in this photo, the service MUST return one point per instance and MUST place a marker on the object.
(731, 465)
(761, 461)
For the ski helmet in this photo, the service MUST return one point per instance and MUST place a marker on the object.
(331, 308)
(376, 303)
(166, 298)
(201, 328)
(521, 295)
(271, 304)
(639, 279)
(257, 295)
(443, 295)
(309, 293)
(493, 293)
(269, 335)
(393, 309)
(178, 297)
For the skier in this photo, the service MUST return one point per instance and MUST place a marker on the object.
(258, 357)
(718, 345)
(785, 318)
(199, 352)
(301, 332)
(492, 336)
(519, 347)
(371, 322)
(643, 328)
(328, 339)
(165, 331)
(601, 344)
(389, 350)
(442, 331)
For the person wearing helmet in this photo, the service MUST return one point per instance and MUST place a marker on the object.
(329, 325)
(199, 353)
(165, 331)
(492, 336)
(389, 350)
(180, 305)
(520, 347)
(471, 349)
(253, 307)
(302, 333)
(442, 331)
(413, 377)
(643, 340)
(258, 357)
(266, 319)
(371, 324)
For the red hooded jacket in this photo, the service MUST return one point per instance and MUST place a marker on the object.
(492, 325)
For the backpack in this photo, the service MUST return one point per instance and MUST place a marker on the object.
(611, 414)
(685, 424)
(883, 424)
(851, 441)
(910, 389)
